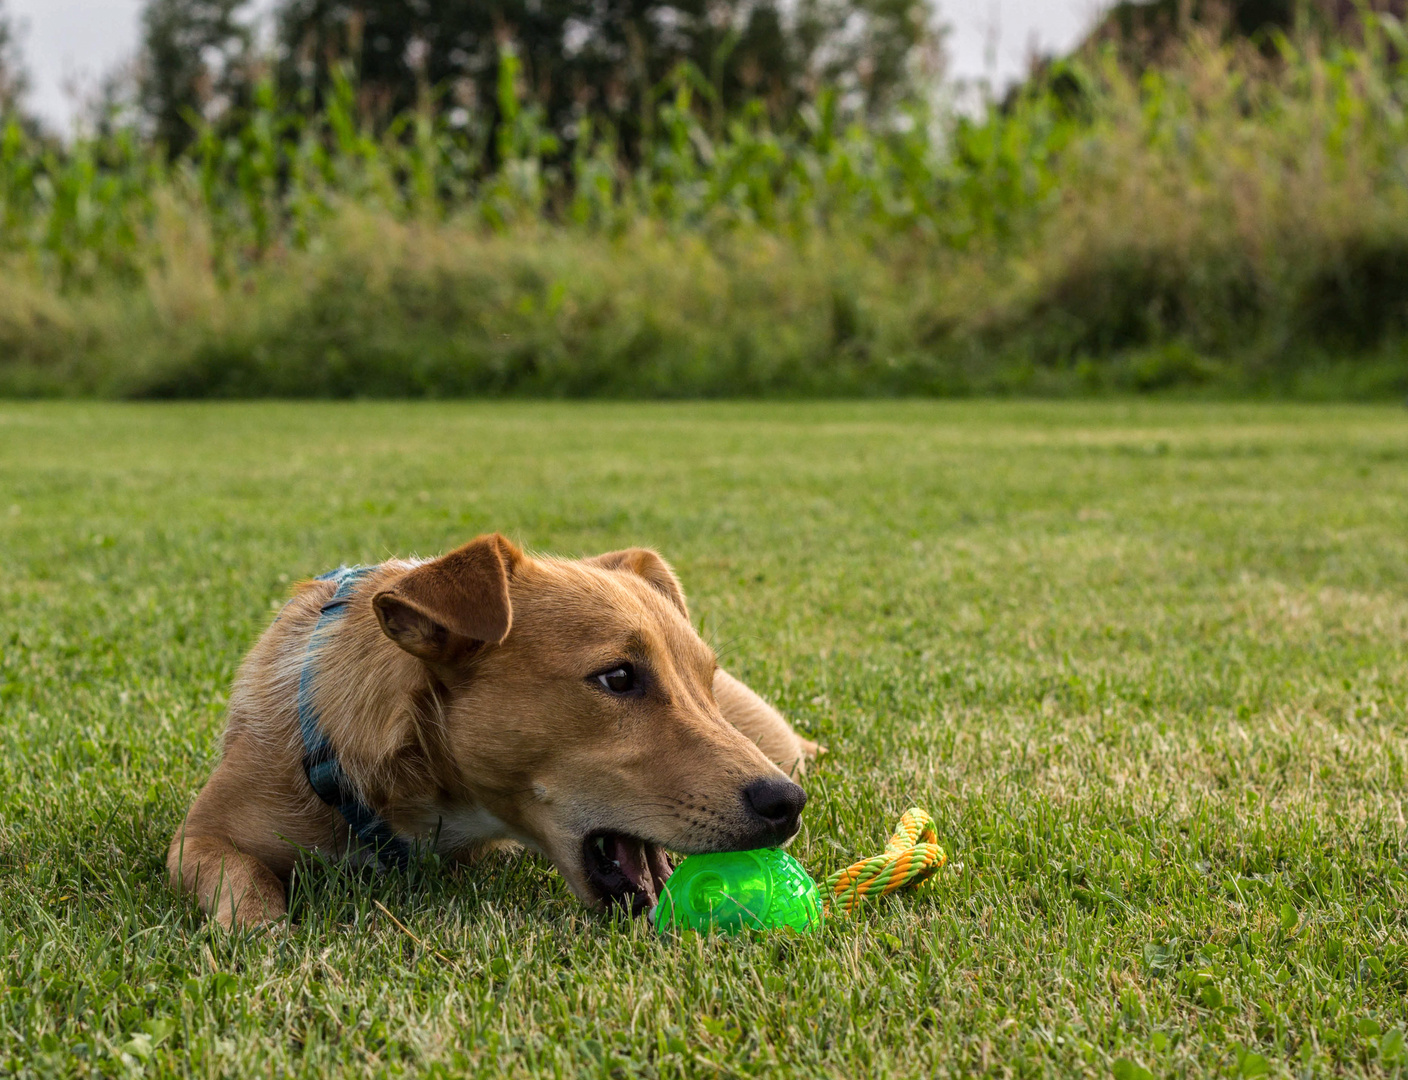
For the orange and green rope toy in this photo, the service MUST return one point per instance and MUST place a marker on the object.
(912, 856)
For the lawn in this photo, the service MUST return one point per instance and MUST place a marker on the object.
(1145, 663)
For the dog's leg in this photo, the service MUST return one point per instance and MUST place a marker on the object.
(230, 852)
(763, 724)
(237, 889)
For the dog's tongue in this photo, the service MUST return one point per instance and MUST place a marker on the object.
(660, 868)
(643, 863)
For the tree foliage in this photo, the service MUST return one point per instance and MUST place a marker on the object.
(604, 59)
(608, 58)
(14, 80)
(1145, 31)
(195, 64)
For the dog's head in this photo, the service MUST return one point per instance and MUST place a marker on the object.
(578, 709)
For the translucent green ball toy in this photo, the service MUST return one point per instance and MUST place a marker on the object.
(739, 890)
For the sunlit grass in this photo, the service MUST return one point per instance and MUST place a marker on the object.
(1146, 665)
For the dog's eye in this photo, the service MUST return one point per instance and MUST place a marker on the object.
(619, 680)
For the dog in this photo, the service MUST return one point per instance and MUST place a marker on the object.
(479, 699)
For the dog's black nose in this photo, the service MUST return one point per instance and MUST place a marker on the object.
(778, 803)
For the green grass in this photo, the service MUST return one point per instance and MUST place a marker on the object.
(1146, 664)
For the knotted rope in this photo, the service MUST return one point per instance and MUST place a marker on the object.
(912, 855)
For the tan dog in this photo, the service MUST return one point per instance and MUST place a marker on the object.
(487, 696)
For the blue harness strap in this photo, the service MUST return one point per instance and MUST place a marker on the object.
(320, 763)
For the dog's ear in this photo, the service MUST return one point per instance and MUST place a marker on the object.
(649, 565)
(463, 596)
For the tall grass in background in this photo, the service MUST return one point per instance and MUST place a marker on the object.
(1231, 220)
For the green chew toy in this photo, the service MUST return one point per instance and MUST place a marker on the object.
(767, 888)
(739, 890)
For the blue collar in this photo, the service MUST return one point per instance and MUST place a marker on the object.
(320, 763)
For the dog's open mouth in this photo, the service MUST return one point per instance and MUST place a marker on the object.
(625, 870)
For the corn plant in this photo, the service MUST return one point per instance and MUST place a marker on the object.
(1236, 142)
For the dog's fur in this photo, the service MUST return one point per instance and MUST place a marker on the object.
(460, 697)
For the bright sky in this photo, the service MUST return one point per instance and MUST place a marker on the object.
(69, 44)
